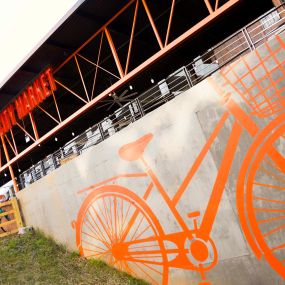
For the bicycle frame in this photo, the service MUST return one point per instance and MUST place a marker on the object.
(194, 249)
(202, 232)
(223, 172)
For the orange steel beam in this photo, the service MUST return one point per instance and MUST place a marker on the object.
(97, 65)
(48, 114)
(217, 5)
(10, 167)
(34, 126)
(209, 7)
(23, 129)
(169, 22)
(82, 80)
(114, 52)
(152, 24)
(69, 90)
(100, 67)
(132, 36)
(95, 34)
(126, 78)
(10, 144)
(56, 106)
(13, 139)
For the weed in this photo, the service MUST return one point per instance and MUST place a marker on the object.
(33, 258)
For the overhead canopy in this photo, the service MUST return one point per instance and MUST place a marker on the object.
(92, 15)
(54, 130)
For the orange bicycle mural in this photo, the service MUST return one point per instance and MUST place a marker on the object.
(119, 226)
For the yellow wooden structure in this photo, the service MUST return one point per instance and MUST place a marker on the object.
(14, 222)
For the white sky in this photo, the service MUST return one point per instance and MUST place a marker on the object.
(24, 26)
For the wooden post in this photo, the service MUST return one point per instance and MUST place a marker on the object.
(17, 212)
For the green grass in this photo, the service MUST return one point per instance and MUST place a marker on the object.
(34, 259)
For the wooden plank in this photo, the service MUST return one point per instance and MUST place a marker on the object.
(7, 213)
(8, 223)
(17, 212)
(5, 203)
(8, 233)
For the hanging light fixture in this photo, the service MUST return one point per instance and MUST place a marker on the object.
(27, 138)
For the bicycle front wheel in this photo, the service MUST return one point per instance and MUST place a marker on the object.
(264, 193)
(117, 226)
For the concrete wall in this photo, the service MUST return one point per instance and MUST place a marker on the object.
(212, 225)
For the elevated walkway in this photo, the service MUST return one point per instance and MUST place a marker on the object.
(242, 42)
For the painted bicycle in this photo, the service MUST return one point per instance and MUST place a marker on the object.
(120, 227)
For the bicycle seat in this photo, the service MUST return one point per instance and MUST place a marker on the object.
(134, 150)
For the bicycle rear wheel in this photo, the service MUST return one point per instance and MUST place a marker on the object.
(264, 190)
(117, 226)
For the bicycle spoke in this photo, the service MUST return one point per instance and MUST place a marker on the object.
(153, 269)
(137, 227)
(268, 200)
(146, 274)
(94, 234)
(97, 255)
(141, 241)
(96, 251)
(269, 186)
(107, 222)
(122, 218)
(117, 230)
(101, 222)
(274, 230)
(109, 215)
(97, 230)
(271, 174)
(144, 246)
(130, 224)
(142, 232)
(93, 245)
(271, 219)
(279, 247)
(124, 221)
(115, 218)
(269, 210)
(152, 252)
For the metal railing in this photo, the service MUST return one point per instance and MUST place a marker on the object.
(229, 50)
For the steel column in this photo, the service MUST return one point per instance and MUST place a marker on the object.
(13, 139)
(132, 37)
(82, 80)
(209, 7)
(34, 126)
(169, 22)
(152, 24)
(114, 52)
(97, 64)
(10, 167)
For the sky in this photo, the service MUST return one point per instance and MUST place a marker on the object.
(24, 26)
